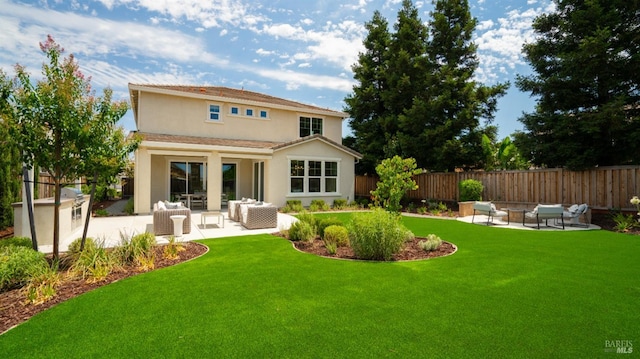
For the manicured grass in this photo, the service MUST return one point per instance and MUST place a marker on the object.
(505, 293)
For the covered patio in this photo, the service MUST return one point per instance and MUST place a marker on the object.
(111, 228)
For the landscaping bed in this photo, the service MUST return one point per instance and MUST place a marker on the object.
(14, 309)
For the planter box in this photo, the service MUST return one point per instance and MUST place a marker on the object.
(465, 208)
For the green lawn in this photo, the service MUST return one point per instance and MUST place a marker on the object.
(505, 293)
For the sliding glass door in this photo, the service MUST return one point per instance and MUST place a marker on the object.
(229, 173)
(187, 178)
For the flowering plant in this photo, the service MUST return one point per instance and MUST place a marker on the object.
(636, 202)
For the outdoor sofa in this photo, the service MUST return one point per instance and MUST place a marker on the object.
(162, 212)
(258, 215)
(545, 212)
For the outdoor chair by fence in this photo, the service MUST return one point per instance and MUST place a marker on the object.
(488, 209)
(574, 212)
(545, 212)
(162, 212)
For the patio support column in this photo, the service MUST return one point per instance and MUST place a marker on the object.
(142, 182)
(214, 181)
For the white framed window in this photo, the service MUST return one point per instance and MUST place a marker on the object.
(248, 112)
(214, 112)
(310, 126)
(264, 114)
(313, 176)
(234, 110)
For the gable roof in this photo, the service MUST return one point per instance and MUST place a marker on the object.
(240, 144)
(317, 137)
(226, 94)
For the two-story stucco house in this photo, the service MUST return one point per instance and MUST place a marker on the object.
(231, 143)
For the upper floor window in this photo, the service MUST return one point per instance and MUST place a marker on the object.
(310, 126)
(249, 112)
(214, 112)
(264, 114)
(235, 110)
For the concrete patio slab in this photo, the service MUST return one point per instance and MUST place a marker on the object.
(481, 220)
(111, 229)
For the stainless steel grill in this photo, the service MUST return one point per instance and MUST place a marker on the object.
(78, 200)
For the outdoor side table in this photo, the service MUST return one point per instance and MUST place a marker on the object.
(177, 224)
(219, 217)
(515, 214)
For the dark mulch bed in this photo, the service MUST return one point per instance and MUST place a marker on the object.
(14, 310)
(410, 252)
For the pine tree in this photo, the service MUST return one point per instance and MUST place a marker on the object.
(407, 73)
(365, 105)
(586, 78)
(443, 128)
(10, 160)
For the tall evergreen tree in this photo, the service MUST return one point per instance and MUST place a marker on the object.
(443, 129)
(365, 105)
(10, 164)
(586, 64)
(407, 73)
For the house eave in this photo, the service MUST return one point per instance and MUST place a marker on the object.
(208, 97)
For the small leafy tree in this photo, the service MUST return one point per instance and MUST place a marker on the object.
(396, 178)
(62, 126)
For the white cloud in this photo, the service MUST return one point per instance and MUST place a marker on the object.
(212, 13)
(500, 45)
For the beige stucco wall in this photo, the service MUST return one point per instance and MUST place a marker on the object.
(278, 173)
(158, 113)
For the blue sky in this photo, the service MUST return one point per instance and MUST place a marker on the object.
(294, 49)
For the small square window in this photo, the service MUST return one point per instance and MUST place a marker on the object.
(235, 110)
(264, 114)
(249, 112)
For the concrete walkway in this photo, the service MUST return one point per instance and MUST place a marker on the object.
(112, 229)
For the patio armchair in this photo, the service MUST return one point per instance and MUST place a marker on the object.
(256, 215)
(233, 208)
(488, 209)
(545, 212)
(574, 212)
(162, 212)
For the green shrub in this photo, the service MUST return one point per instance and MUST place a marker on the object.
(318, 205)
(172, 249)
(42, 287)
(336, 234)
(17, 241)
(470, 190)
(624, 222)
(292, 205)
(18, 265)
(326, 222)
(101, 212)
(377, 235)
(129, 208)
(431, 243)
(302, 231)
(94, 263)
(305, 216)
(139, 250)
(339, 203)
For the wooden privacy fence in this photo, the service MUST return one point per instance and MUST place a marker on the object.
(600, 188)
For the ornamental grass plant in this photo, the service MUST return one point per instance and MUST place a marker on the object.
(377, 235)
